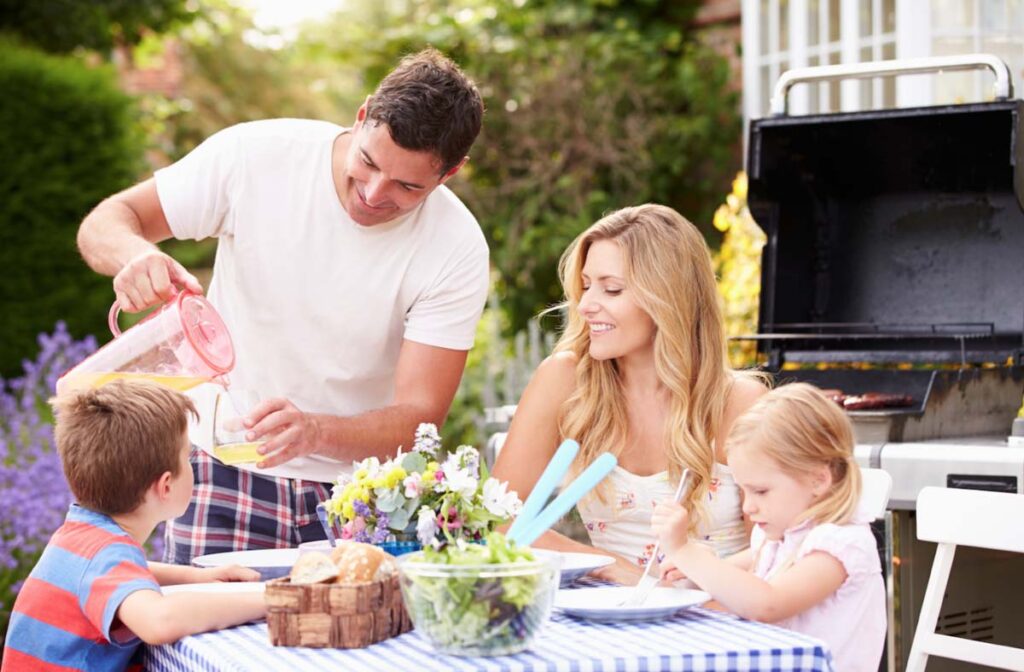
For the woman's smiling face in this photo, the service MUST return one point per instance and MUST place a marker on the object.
(618, 325)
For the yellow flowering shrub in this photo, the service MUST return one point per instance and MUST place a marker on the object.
(738, 266)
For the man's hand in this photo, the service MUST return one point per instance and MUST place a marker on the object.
(226, 574)
(151, 278)
(671, 522)
(292, 433)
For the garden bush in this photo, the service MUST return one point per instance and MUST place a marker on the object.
(68, 139)
(34, 495)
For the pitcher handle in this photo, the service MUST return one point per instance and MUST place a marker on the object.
(115, 310)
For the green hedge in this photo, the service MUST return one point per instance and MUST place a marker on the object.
(68, 138)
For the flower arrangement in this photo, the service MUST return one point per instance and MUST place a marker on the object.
(417, 495)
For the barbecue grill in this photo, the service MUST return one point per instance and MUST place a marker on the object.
(894, 263)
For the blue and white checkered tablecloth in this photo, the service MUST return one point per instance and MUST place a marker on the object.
(698, 639)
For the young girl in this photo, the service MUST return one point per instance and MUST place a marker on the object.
(812, 565)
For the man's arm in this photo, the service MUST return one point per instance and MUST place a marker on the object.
(119, 237)
(425, 382)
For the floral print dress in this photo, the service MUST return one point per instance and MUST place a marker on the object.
(622, 525)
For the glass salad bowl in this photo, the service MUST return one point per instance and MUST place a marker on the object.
(473, 600)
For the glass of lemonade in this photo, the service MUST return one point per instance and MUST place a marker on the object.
(229, 443)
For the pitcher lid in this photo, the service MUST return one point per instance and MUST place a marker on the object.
(206, 331)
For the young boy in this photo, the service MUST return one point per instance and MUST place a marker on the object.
(93, 598)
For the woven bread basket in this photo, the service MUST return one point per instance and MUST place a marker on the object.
(337, 616)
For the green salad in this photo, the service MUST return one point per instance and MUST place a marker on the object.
(478, 599)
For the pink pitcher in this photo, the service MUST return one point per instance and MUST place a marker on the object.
(181, 345)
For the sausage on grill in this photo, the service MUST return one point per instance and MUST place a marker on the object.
(876, 400)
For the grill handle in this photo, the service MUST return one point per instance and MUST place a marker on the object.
(1003, 88)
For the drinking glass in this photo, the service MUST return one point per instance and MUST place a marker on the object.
(229, 443)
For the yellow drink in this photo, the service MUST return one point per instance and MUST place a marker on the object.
(80, 381)
(238, 453)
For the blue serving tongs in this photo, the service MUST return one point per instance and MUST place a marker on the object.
(532, 520)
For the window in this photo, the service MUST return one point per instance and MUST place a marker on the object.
(783, 34)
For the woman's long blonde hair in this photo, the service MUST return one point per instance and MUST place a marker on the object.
(670, 275)
(801, 430)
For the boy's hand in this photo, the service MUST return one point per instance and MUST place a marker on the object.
(671, 523)
(228, 573)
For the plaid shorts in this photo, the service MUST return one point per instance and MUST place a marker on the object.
(236, 510)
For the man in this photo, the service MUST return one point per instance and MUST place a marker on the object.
(350, 278)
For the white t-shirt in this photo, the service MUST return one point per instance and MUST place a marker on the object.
(318, 305)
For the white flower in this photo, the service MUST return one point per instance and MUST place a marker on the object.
(468, 457)
(426, 526)
(413, 484)
(427, 439)
(498, 501)
(461, 482)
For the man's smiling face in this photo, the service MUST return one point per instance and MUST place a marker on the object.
(383, 181)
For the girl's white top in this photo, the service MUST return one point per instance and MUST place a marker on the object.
(622, 525)
(851, 621)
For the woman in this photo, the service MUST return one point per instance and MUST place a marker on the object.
(641, 372)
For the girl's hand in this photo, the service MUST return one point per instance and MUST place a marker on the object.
(671, 522)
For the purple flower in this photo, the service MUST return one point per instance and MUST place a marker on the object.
(361, 508)
(34, 495)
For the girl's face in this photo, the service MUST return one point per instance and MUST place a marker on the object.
(618, 326)
(772, 498)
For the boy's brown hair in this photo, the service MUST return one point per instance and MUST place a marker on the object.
(116, 440)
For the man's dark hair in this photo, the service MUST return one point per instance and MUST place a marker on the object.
(429, 105)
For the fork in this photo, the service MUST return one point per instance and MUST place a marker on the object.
(647, 580)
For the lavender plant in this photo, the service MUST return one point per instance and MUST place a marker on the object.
(34, 495)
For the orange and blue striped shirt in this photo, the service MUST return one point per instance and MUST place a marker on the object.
(65, 615)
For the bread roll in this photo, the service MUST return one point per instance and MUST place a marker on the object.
(357, 562)
(314, 567)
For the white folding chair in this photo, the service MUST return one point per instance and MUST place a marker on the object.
(876, 485)
(951, 518)
(493, 447)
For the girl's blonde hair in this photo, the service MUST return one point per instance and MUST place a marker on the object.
(801, 430)
(669, 273)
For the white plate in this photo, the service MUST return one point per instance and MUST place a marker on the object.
(271, 563)
(603, 603)
(216, 587)
(575, 565)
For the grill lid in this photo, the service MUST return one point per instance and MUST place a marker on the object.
(893, 235)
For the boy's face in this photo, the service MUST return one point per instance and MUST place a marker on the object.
(181, 484)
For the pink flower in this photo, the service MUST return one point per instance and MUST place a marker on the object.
(438, 475)
(453, 522)
(346, 530)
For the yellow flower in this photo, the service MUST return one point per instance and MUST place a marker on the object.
(360, 474)
(395, 476)
(739, 186)
(377, 482)
(347, 511)
(722, 219)
(428, 475)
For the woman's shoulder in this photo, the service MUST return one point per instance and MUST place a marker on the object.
(554, 379)
(744, 391)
